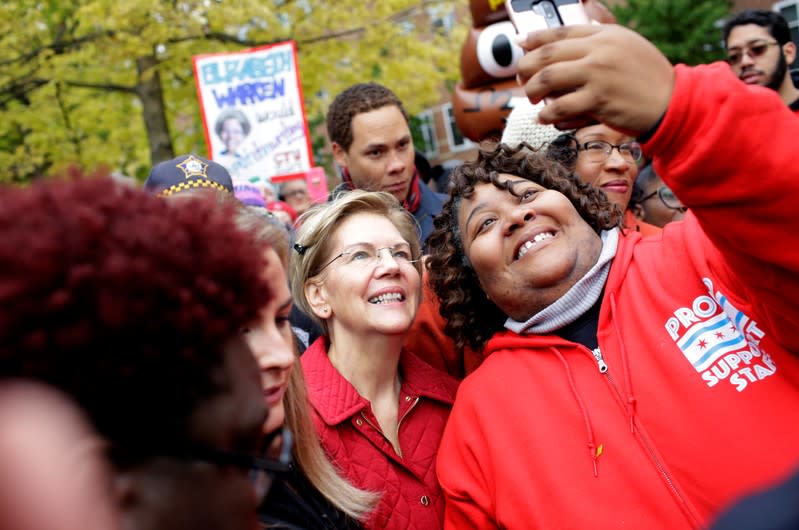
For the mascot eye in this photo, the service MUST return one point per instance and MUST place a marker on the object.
(496, 52)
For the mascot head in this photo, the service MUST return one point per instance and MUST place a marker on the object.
(486, 94)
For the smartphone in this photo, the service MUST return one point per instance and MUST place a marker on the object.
(534, 15)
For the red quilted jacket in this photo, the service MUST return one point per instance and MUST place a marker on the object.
(411, 497)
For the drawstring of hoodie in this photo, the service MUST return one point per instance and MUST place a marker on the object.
(592, 448)
(630, 401)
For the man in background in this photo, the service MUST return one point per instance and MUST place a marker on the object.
(371, 137)
(760, 50)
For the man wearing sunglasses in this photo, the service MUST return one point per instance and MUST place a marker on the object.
(760, 50)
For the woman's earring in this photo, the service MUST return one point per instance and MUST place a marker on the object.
(326, 309)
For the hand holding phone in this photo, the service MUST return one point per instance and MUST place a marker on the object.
(629, 95)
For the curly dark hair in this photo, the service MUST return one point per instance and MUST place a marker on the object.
(357, 99)
(471, 317)
(563, 149)
(774, 22)
(123, 301)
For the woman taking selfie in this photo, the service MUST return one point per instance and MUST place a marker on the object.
(628, 382)
(309, 494)
(380, 411)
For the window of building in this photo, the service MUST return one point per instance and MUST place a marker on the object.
(442, 18)
(457, 142)
(790, 10)
(424, 134)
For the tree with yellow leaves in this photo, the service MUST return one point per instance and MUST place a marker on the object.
(109, 82)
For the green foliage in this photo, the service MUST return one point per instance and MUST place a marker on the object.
(686, 31)
(71, 92)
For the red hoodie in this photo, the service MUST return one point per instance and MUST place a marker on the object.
(699, 402)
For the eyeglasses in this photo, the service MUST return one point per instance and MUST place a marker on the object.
(754, 49)
(294, 193)
(599, 150)
(667, 197)
(365, 256)
(260, 469)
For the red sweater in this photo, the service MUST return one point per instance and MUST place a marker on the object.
(696, 326)
(350, 435)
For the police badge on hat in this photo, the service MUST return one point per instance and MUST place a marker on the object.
(193, 167)
(187, 172)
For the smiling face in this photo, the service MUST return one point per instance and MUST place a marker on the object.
(527, 248)
(358, 296)
(271, 341)
(616, 174)
(381, 155)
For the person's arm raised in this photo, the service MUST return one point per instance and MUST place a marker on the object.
(607, 72)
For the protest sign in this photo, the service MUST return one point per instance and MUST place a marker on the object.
(253, 111)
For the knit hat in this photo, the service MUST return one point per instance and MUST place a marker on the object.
(249, 195)
(522, 126)
(187, 172)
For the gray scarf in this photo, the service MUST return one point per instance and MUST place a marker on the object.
(577, 300)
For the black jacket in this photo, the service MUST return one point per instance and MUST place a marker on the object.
(293, 503)
(771, 509)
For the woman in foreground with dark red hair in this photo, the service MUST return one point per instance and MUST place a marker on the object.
(132, 306)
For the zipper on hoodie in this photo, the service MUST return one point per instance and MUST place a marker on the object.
(603, 369)
(600, 362)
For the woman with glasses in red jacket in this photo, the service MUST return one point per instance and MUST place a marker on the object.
(380, 411)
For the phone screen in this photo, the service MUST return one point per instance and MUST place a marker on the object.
(533, 15)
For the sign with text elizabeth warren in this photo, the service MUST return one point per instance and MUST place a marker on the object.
(253, 112)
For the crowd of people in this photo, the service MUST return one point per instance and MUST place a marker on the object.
(593, 328)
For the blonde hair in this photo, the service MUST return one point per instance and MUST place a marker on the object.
(311, 458)
(315, 236)
(307, 451)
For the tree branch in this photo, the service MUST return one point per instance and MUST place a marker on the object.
(57, 46)
(19, 90)
(103, 86)
(232, 39)
(396, 17)
(73, 135)
(334, 35)
(220, 37)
